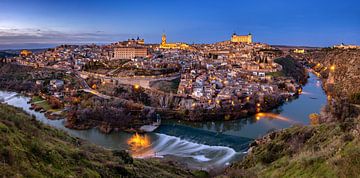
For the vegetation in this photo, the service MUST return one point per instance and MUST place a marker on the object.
(166, 86)
(355, 98)
(6, 54)
(292, 68)
(15, 78)
(326, 150)
(276, 74)
(31, 149)
(22, 78)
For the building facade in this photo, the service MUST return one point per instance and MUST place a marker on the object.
(343, 46)
(165, 45)
(129, 52)
(25, 52)
(299, 51)
(241, 38)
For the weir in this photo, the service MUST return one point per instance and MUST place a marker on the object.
(238, 143)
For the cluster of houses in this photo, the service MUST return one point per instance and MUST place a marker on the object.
(212, 74)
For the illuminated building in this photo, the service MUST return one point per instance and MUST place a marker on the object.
(241, 38)
(299, 51)
(343, 46)
(131, 42)
(136, 41)
(129, 52)
(25, 52)
(165, 45)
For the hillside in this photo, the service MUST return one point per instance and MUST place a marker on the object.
(32, 149)
(328, 148)
(5, 54)
(293, 68)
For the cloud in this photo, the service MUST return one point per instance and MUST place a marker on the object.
(35, 35)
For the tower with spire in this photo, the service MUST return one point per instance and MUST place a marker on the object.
(163, 39)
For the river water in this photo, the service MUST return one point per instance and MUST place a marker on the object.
(201, 145)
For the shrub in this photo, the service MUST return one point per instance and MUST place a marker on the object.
(314, 118)
(355, 98)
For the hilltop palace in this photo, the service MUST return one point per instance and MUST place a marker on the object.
(234, 38)
(241, 38)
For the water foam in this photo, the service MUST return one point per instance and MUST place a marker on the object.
(204, 156)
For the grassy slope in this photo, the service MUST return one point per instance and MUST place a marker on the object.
(32, 149)
(327, 150)
(166, 86)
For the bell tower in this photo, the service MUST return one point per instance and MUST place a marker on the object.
(163, 39)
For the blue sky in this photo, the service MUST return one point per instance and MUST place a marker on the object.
(306, 22)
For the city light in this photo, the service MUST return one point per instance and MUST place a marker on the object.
(329, 97)
(332, 68)
(193, 105)
(136, 86)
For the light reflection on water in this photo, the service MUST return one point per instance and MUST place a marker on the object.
(263, 115)
(296, 111)
(139, 146)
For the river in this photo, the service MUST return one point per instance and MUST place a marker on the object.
(201, 145)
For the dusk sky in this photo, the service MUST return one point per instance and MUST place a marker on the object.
(306, 22)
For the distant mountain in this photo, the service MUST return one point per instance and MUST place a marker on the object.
(5, 54)
(294, 47)
(26, 46)
(16, 52)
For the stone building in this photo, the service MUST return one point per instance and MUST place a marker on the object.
(241, 38)
(165, 45)
(129, 52)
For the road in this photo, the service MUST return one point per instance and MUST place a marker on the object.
(94, 92)
(143, 81)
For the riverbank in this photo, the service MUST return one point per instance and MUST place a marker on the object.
(326, 150)
(189, 154)
(80, 108)
(32, 149)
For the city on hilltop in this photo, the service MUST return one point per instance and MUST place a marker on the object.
(233, 78)
(233, 89)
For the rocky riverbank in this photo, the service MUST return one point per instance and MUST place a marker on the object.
(85, 111)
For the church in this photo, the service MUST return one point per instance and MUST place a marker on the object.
(165, 45)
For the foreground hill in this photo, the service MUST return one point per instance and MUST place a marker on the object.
(326, 150)
(32, 149)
